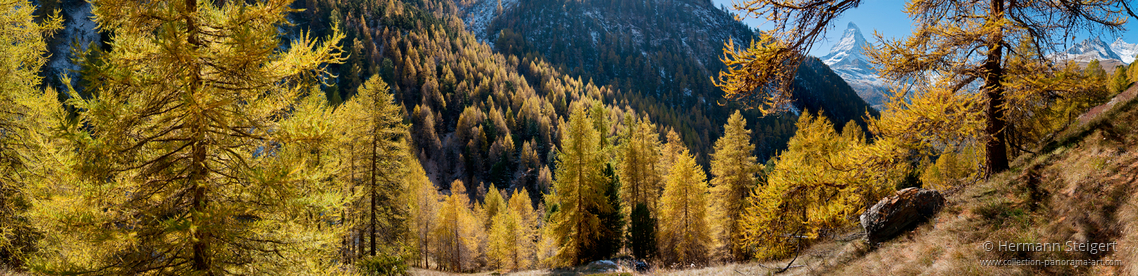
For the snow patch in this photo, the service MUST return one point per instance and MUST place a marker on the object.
(477, 17)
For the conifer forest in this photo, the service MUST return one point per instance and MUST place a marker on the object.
(563, 137)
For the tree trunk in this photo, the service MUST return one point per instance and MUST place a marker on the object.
(200, 240)
(373, 160)
(997, 152)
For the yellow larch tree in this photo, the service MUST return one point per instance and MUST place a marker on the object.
(639, 157)
(459, 234)
(423, 200)
(27, 117)
(578, 184)
(179, 147)
(816, 184)
(375, 139)
(684, 235)
(641, 184)
(734, 172)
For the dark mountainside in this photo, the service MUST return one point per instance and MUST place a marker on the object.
(660, 55)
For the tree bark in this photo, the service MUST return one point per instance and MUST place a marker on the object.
(997, 152)
(374, 159)
(199, 239)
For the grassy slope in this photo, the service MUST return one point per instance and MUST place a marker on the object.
(1080, 188)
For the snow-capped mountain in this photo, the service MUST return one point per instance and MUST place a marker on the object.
(1088, 50)
(1126, 51)
(848, 60)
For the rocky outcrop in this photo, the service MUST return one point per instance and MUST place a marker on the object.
(903, 211)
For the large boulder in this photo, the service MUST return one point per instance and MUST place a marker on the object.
(901, 212)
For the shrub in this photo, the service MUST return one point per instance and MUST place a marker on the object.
(383, 265)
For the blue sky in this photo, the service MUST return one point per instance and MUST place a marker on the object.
(886, 17)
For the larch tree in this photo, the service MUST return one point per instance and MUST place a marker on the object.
(670, 152)
(734, 172)
(525, 234)
(512, 234)
(179, 145)
(27, 115)
(424, 207)
(376, 139)
(813, 186)
(1119, 81)
(499, 225)
(640, 155)
(974, 48)
(492, 204)
(640, 183)
(459, 234)
(1132, 73)
(501, 244)
(579, 192)
(684, 234)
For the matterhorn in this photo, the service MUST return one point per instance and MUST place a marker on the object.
(847, 59)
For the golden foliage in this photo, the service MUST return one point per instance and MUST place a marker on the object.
(579, 191)
(684, 234)
(734, 169)
(820, 182)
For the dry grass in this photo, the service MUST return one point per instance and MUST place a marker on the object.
(5, 271)
(1081, 189)
(1081, 192)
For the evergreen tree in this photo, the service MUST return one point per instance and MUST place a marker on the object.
(684, 235)
(611, 235)
(579, 183)
(733, 167)
(642, 232)
(182, 147)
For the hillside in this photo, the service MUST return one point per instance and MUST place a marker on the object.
(658, 56)
(1078, 189)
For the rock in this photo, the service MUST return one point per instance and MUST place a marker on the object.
(602, 266)
(903, 211)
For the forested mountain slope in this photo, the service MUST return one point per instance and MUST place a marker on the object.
(659, 55)
(476, 115)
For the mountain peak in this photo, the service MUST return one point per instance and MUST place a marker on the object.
(850, 45)
(1126, 51)
(847, 59)
(1090, 49)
